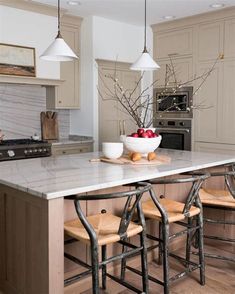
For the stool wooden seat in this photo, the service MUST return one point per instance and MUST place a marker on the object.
(222, 200)
(214, 197)
(102, 229)
(167, 213)
(106, 227)
(173, 208)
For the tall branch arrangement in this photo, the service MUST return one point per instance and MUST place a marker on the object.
(139, 104)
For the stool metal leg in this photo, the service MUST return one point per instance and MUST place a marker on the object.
(165, 251)
(144, 263)
(189, 241)
(123, 262)
(95, 267)
(104, 267)
(201, 249)
(160, 244)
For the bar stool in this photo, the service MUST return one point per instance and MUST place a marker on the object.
(104, 229)
(168, 212)
(220, 200)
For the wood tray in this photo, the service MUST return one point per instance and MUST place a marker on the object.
(161, 159)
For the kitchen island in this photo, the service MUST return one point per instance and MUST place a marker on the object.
(32, 209)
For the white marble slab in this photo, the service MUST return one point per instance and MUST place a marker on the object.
(20, 107)
(60, 176)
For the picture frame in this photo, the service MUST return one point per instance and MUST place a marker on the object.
(17, 60)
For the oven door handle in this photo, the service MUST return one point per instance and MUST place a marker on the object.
(173, 129)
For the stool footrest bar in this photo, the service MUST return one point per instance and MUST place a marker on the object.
(124, 283)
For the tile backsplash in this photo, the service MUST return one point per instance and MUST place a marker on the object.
(20, 108)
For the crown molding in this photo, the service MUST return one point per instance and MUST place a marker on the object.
(195, 19)
(42, 9)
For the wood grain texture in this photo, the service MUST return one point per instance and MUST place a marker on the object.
(31, 239)
(49, 125)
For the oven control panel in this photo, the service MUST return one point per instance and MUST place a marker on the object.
(172, 123)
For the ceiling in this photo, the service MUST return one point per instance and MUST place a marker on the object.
(132, 11)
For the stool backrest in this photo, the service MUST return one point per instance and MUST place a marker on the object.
(229, 177)
(192, 198)
(128, 211)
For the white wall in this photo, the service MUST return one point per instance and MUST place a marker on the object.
(26, 28)
(103, 39)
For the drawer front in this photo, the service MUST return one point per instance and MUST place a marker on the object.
(62, 150)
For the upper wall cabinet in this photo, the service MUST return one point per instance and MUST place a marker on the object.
(183, 68)
(229, 45)
(67, 95)
(175, 42)
(210, 41)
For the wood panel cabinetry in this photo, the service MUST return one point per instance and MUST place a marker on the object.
(229, 40)
(207, 120)
(174, 42)
(66, 96)
(211, 36)
(113, 121)
(183, 67)
(75, 148)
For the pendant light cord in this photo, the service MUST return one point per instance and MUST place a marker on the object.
(58, 16)
(145, 27)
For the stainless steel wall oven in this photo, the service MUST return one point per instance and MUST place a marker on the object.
(176, 134)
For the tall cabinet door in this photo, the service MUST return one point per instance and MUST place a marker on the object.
(129, 81)
(111, 113)
(207, 120)
(108, 108)
(227, 111)
(229, 40)
(68, 92)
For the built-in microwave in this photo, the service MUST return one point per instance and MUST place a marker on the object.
(171, 103)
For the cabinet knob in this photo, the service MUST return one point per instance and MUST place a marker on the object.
(221, 56)
(60, 101)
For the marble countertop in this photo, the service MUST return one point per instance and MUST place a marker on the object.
(59, 176)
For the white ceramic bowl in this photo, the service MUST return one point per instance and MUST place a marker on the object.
(141, 145)
(112, 150)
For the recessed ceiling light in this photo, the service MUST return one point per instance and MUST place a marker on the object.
(73, 2)
(217, 5)
(168, 17)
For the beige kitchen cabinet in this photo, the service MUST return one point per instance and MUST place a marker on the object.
(229, 40)
(226, 123)
(183, 68)
(207, 120)
(210, 40)
(66, 96)
(214, 148)
(174, 42)
(112, 120)
(74, 148)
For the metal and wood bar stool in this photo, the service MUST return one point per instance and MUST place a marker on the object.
(168, 212)
(104, 229)
(220, 200)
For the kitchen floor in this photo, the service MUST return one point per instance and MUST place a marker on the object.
(220, 279)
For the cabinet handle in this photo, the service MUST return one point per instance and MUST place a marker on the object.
(173, 54)
(60, 101)
(221, 56)
(64, 152)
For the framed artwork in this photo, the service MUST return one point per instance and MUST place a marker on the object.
(17, 60)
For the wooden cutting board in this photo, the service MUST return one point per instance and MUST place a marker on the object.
(49, 125)
(161, 159)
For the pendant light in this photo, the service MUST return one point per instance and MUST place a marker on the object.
(145, 61)
(59, 50)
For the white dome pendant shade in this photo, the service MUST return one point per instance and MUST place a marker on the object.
(145, 62)
(59, 50)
